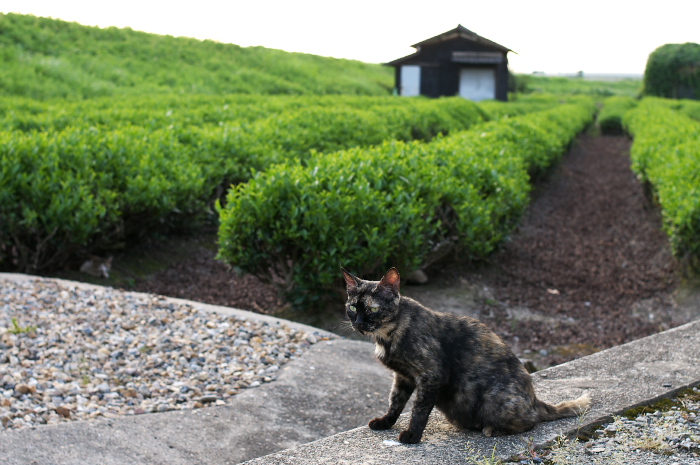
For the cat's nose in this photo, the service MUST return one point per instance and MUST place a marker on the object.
(363, 327)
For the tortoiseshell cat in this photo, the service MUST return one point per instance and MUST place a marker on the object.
(454, 363)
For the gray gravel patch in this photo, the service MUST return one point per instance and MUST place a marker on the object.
(68, 353)
(669, 437)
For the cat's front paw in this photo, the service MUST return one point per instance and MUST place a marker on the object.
(409, 437)
(380, 423)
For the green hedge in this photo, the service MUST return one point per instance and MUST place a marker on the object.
(496, 109)
(297, 134)
(666, 154)
(673, 71)
(691, 108)
(179, 111)
(82, 189)
(614, 109)
(396, 204)
(86, 187)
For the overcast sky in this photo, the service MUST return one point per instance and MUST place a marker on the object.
(594, 36)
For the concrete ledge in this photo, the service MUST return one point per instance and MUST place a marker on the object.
(617, 379)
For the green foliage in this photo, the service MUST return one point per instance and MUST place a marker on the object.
(46, 58)
(95, 175)
(297, 134)
(666, 154)
(523, 104)
(65, 191)
(394, 204)
(673, 71)
(527, 103)
(690, 108)
(614, 109)
(581, 86)
(19, 329)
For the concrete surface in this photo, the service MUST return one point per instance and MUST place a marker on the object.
(617, 379)
(337, 386)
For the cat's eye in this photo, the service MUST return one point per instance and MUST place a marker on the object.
(374, 309)
(353, 309)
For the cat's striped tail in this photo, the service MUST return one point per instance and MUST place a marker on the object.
(570, 408)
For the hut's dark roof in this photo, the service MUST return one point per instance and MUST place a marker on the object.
(463, 32)
(458, 32)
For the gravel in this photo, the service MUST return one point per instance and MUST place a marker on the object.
(669, 437)
(69, 354)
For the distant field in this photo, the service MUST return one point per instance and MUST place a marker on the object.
(576, 85)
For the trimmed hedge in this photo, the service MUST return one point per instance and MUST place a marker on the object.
(298, 134)
(691, 108)
(185, 111)
(673, 71)
(666, 155)
(614, 109)
(396, 204)
(527, 103)
(86, 188)
(83, 189)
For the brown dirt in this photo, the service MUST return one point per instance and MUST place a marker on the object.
(202, 278)
(588, 268)
(591, 253)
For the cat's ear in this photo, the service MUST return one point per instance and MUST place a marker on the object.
(350, 280)
(391, 281)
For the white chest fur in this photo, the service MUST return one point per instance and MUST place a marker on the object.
(379, 351)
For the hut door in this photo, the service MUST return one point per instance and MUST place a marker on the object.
(410, 80)
(477, 83)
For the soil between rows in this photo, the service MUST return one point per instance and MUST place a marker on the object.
(588, 268)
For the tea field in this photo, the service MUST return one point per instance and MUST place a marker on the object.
(112, 138)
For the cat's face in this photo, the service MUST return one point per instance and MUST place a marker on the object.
(372, 304)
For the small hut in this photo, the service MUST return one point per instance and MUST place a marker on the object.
(456, 62)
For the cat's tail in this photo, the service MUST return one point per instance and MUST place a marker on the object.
(570, 408)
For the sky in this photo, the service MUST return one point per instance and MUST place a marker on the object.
(554, 37)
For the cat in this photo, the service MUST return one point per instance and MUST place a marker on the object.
(97, 266)
(454, 363)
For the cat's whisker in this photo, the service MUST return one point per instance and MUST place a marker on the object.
(343, 326)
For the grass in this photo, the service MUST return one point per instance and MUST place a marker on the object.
(569, 86)
(47, 58)
(18, 329)
(664, 405)
(488, 460)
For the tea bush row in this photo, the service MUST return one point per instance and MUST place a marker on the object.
(186, 111)
(666, 154)
(180, 111)
(93, 188)
(396, 204)
(527, 103)
(614, 109)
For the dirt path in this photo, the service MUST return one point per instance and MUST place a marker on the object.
(588, 268)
